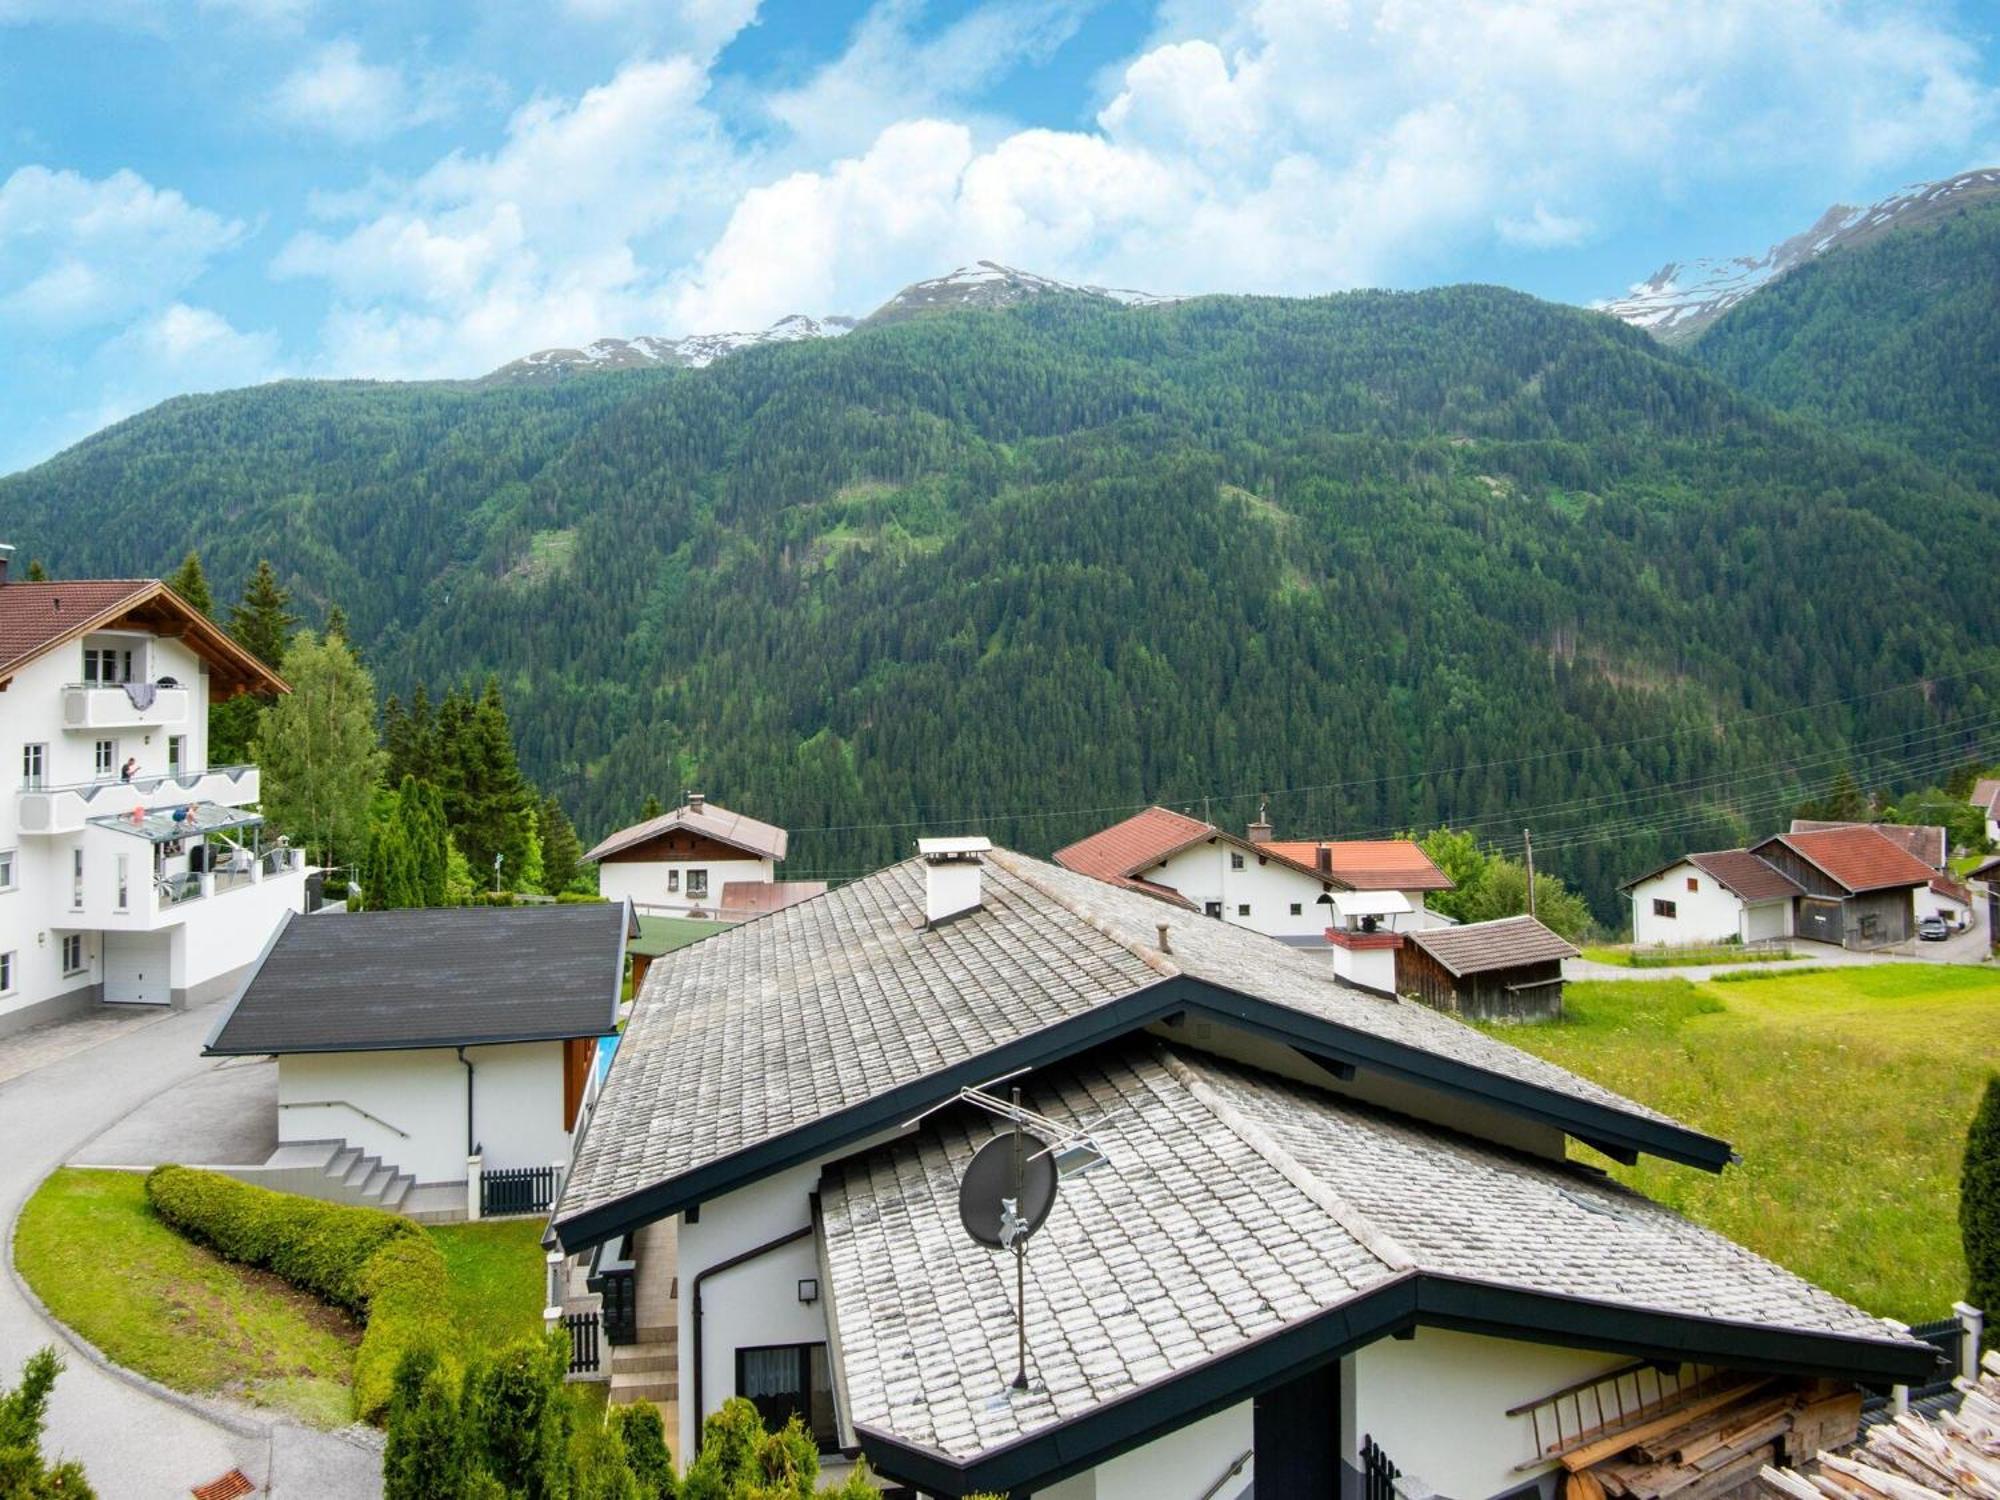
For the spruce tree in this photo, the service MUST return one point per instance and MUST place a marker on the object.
(425, 1454)
(488, 802)
(650, 809)
(36, 572)
(262, 619)
(1979, 1207)
(562, 850)
(191, 583)
(336, 625)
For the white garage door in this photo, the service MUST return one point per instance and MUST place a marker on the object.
(1764, 922)
(137, 968)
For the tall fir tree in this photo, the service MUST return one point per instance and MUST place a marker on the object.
(262, 619)
(650, 809)
(562, 850)
(191, 583)
(487, 801)
(336, 625)
(36, 572)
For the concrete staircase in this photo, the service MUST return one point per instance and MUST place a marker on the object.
(334, 1172)
(648, 1370)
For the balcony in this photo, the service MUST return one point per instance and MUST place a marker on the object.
(65, 809)
(180, 896)
(88, 706)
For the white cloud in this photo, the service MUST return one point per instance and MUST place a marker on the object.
(700, 28)
(77, 252)
(1543, 230)
(339, 93)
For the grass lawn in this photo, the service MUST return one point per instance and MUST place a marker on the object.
(1847, 1091)
(92, 1249)
(1667, 958)
(658, 935)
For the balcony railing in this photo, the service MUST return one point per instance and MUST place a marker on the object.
(88, 705)
(65, 808)
(176, 889)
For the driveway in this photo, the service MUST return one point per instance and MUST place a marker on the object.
(133, 1443)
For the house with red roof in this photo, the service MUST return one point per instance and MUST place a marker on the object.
(1718, 896)
(1354, 898)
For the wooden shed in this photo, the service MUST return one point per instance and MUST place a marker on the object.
(1509, 969)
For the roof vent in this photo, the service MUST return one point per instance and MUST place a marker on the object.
(951, 876)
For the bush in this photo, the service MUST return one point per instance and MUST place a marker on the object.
(579, 898)
(644, 1434)
(382, 1268)
(1979, 1205)
(519, 1415)
(24, 1473)
(425, 1456)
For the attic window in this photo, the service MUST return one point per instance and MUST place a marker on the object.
(1235, 861)
(1693, 884)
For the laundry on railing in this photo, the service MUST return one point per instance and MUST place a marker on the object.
(142, 694)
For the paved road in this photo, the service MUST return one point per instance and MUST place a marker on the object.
(136, 1446)
(1963, 948)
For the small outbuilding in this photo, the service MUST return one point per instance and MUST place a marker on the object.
(409, 1043)
(1509, 969)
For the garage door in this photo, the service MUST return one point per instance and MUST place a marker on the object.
(138, 968)
(1820, 921)
(1765, 922)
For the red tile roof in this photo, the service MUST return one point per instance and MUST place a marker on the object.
(756, 898)
(1925, 840)
(1367, 864)
(1859, 858)
(1143, 839)
(1944, 885)
(1751, 878)
(37, 617)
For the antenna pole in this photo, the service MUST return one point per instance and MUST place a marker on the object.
(1020, 1256)
(1528, 846)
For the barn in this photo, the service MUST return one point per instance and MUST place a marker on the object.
(1509, 969)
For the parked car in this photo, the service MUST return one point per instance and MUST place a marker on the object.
(1932, 929)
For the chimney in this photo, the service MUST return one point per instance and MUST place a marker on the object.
(6, 556)
(951, 876)
(1325, 860)
(696, 801)
(1260, 831)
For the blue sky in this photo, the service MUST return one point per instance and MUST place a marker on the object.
(196, 194)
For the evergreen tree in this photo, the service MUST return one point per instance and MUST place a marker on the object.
(562, 850)
(650, 809)
(1979, 1208)
(409, 737)
(645, 1438)
(487, 801)
(336, 625)
(425, 1456)
(24, 1473)
(191, 583)
(390, 881)
(520, 1416)
(262, 619)
(36, 572)
(317, 748)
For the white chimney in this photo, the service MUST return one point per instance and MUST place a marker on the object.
(6, 556)
(951, 876)
(696, 802)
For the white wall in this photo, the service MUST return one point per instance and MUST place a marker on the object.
(220, 935)
(1708, 914)
(1184, 1463)
(517, 1105)
(645, 881)
(1932, 904)
(1437, 1404)
(1270, 889)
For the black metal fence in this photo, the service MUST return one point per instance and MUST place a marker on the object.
(1948, 1335)
(517, 1190)
(583, 1355)
(1378, 1475)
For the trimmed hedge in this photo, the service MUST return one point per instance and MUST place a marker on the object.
(382, 1268)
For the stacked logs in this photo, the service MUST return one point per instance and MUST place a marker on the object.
(1913, 1458)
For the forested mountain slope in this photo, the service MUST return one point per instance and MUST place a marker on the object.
(1898, 338)
(1031, 567)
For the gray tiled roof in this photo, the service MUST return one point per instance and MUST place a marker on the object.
(386, 980)
(1233, 1204)
(1503, 943)
(788, 1019)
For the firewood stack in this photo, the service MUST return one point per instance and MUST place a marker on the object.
(1913, 1458)
(1708, 1447)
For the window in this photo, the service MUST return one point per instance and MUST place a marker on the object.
(697, 882)
(34, 767)
(6, 869)
(72, 951)
(107, 664)
(124, 869)
(789, 1380)
(1297, 910)
(1243, 909)
(76, 878)
(1665, 909)
(1693, 884)
(176, 754)
(107, 759)
(673, 882)
(7, 975)
(1211, 908)
(1235, 861)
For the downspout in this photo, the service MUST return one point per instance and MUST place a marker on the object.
(729, 1265)
(470, 1149)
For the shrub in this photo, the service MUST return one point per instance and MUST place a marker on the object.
(23, 1413)
(520, 1416)
(644, 1434)
(1979, 1204)
(425, 1456)
(380, 1267)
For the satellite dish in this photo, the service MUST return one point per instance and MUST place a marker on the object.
(988, 1187)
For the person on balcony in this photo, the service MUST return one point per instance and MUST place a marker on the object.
(129, 769)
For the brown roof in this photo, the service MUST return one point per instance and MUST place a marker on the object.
(1986, 794)
(719, 823)
(1751, 878)
(1857, 857)
(1479, 947)
(1985, 870)
(1368, 864)
(1143, 839)
(756, 898)
(38, 617)
(1925, 840)
(1944, 885)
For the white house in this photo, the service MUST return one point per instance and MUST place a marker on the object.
(699, 860)
(1350, 897)
(131, 870)
(1725, 895)
(1986, 797)
(1303, 1232)
(413, 1044)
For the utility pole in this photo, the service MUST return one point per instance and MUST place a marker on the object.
(1528, 843)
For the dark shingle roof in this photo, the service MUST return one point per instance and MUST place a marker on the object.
(779, 1025)
(1233, 1205)
(395, 980)
(1504, 943)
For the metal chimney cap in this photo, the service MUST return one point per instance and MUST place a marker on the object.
(945, 851)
